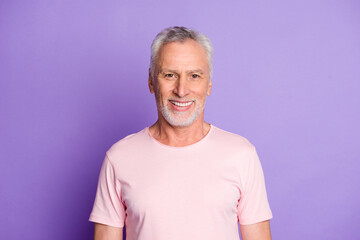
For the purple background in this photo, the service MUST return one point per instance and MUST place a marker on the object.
(73, 81)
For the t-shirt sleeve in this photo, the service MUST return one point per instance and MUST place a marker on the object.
(108, 207)
(253, 206)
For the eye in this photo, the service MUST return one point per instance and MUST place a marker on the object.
(195, 76)
(169, 75)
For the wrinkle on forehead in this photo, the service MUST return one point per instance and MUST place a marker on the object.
(188, 56)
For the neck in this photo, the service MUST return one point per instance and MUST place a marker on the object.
(174, 136)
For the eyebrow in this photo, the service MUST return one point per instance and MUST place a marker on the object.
(190, 71)
(167, 70)
(196, 71)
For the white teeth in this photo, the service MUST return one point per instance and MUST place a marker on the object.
(181, 104)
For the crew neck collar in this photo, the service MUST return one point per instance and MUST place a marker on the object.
(184, 147)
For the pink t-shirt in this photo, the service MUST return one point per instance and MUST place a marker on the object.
(200, 191)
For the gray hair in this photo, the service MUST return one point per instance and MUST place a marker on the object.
(179, 34)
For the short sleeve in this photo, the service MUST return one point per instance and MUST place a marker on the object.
(253, 205)
(108, 208)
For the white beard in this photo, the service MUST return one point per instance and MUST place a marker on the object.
(177, 119)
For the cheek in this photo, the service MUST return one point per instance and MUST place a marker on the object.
(165, 91)
(161, 96)
(203, 92)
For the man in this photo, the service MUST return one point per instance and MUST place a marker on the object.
(181, 178)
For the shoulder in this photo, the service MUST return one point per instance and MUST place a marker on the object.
(233, 148)
(128, 144)
(231, 140)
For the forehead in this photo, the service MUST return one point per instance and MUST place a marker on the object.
(183, 54)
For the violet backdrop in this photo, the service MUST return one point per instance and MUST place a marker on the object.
(73, 81)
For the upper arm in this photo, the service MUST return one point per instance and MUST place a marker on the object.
(108, 209)
(253, 205)
(256, 231)
(105, 232)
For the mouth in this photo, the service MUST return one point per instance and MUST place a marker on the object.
(181, 105)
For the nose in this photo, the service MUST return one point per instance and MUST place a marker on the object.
(182, 87)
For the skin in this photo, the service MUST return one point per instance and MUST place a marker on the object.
(105, 232)
(182, 75)
(256, 231)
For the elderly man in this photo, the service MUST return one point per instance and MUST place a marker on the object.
(181, 178)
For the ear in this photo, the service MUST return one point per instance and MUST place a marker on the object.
(209, 87)
(150, 83)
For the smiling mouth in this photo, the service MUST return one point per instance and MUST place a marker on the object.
(181, 104)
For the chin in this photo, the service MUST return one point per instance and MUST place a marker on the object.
(177, 121)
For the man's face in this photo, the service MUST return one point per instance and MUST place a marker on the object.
(181, 82)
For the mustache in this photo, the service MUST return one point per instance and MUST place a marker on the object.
(182, 99)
